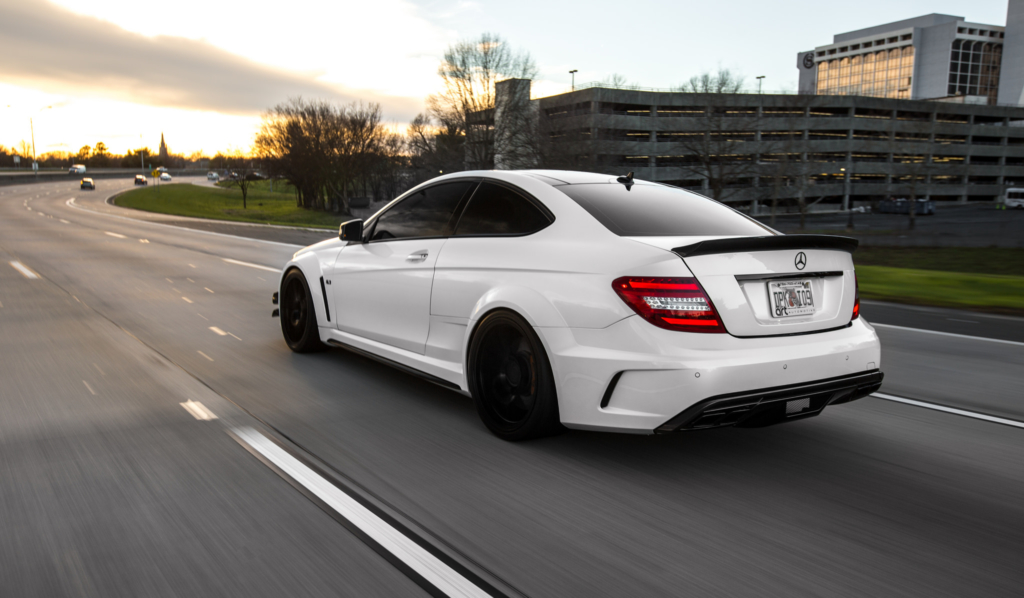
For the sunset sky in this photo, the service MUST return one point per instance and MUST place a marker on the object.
(121, 71)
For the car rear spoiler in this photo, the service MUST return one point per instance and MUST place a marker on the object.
(772, 243)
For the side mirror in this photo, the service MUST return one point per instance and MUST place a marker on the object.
(352, 231)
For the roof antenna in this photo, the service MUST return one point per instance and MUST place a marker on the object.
(626, 180)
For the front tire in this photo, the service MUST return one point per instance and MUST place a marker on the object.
(298, 315)
(511, 380)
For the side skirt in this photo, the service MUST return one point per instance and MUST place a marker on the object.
(400, 366)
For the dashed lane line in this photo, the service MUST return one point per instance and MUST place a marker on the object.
(117, 235)
(93, 392)
(205, 355)
(250, 265)
(198, 410)
(208, 289)
(27, 273)
(218, 331)
(966, 336)
(186, 300)
(953, 410)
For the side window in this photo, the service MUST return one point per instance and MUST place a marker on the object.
(426, 213)
(497, 210)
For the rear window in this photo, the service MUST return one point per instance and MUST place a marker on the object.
(657, 211)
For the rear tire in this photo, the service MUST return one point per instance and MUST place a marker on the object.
(298, 315)
(510, 379)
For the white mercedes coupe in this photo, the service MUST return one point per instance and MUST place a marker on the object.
(589, 301)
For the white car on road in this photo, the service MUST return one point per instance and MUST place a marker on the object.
(165, 177)
(589, 301)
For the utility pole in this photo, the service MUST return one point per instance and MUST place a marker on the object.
(573, 73)
(759, 84)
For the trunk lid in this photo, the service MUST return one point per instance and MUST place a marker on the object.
(774, 285)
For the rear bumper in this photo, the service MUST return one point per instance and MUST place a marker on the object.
(635, 377)
(769, 406)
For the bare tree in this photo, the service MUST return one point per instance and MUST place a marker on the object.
(469, 71)
(325, 150)
(720, 147)
(242, 173)
(722, 81)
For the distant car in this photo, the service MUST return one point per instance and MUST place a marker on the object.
(165, 177)
(212, 176)
(1014, 198)
(77, 169)
(88, 184)
(140, 179)
(925, 207)
(161, 169)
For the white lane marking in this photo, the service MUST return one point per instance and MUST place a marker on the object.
(967, 321)
(967, 336)
(24, 271)
(433, 570)
(205, 355)
(89, 387)
(190, 280)
(236, 338)
(202, 316)
(64, 221)
(169, 280)
(198, 410)
(261, 278)
(114, 235)
(218, 331)
(41, 214)
(71, 204)
(267, 268)
(186, 300)
(143, 240)
(208, 289)
(191, 266)
(943, 408)
(102, 373)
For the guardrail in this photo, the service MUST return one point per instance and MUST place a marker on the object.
(28, 177)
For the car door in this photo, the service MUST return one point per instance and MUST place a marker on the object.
(486, 249)
(382, 286)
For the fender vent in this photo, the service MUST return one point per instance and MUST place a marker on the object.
(323, 289)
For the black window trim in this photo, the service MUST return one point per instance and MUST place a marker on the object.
(460, 210)
(449, 228)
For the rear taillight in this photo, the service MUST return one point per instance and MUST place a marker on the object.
(671, 303)
(856, 298)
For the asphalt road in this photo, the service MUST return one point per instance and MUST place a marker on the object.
(112, 487)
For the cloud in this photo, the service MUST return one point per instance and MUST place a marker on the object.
(55, 50)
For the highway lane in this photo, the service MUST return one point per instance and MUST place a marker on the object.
(873, 497)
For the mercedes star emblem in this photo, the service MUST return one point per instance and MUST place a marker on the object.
(800, 261)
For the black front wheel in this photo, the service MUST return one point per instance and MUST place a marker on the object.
(298, 316)
(511, 380)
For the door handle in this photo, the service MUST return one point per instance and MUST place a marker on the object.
(419, 256)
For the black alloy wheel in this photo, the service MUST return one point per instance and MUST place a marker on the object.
(298, 316)
(511, 379)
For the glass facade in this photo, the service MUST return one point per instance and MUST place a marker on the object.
(974, 68)
(883, 74)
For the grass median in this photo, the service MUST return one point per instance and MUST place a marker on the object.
(198, 201)
(982, 292)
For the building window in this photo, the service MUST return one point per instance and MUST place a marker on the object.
(883, 74)
(974, 68)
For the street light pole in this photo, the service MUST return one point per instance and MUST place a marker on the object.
(573, 73)
(759, 84)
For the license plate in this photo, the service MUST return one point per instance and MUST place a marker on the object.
(790, 298)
